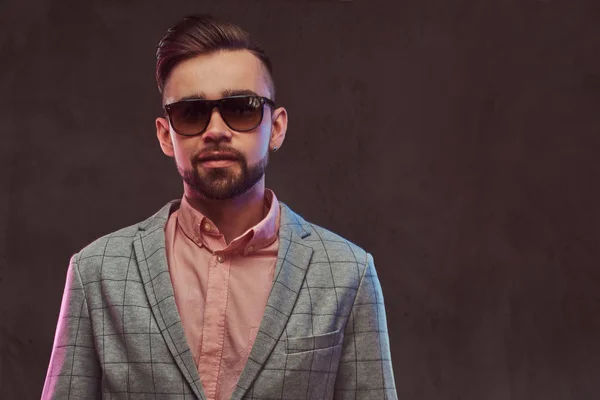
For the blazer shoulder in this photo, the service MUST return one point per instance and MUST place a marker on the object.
(115, 248)
(322, 239)
(334, 245)
(113, 243)
(119, 243)
(110, 249)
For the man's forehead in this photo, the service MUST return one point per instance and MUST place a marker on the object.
(216, 75)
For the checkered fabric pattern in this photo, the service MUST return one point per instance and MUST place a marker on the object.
(323, 335)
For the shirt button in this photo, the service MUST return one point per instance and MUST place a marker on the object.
(250, 249)
(220, 258)
(207, 227)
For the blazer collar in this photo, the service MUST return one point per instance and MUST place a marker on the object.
(149, 247)
(159, 219)
(293, 258)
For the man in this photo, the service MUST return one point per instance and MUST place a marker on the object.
(226, 292)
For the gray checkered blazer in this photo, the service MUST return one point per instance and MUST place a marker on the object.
(323, 334)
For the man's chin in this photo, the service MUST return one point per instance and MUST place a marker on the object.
(229, 173)
(217, 193)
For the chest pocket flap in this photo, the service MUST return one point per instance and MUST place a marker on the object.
(309, 343)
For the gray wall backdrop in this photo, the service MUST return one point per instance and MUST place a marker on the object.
(457, 141)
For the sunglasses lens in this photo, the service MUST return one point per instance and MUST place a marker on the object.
(242, 113)
(189, 117)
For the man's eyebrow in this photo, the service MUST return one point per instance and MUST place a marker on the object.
(224, 93)
(238, 92)
(192, 97)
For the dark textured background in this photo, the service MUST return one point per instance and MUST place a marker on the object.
(455, 140)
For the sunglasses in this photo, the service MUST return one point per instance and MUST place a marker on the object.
(240, 113)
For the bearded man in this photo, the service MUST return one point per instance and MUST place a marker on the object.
(225, 292)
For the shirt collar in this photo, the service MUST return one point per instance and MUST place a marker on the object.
(199, 227)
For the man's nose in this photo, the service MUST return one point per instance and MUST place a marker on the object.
(217, 129)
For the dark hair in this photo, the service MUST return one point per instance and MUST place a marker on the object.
(203, 34)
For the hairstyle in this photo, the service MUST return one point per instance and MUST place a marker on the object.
(203, 34)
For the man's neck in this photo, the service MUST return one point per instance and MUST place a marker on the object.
(234, 216)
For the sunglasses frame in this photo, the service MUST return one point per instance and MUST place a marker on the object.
(218, 104)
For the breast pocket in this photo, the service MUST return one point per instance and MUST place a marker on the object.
(311, 365)
(310, 343)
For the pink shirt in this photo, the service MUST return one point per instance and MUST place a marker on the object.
(221, 290)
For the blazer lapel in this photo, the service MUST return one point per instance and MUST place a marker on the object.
(293, 258)
(152, 261)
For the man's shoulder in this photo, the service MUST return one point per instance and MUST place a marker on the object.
(119, 242)
(333, 245)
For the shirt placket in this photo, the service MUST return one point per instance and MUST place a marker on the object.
(213, 335)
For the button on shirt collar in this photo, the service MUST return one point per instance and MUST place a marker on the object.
(205, 233)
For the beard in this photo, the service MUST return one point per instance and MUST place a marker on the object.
(223, 183)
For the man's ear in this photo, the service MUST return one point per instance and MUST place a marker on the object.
(164, 137)
(279, 128)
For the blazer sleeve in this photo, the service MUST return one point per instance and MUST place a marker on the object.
(365, 370)
(74, 370)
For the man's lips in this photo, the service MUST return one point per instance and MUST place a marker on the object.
(218, 157)
(218, 160)
(218, 163)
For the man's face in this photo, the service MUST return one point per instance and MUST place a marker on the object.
(215, 76)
